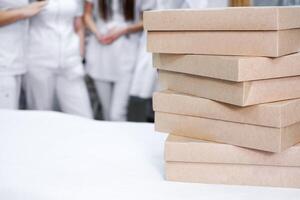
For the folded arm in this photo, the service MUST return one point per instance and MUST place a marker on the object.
(12, 15)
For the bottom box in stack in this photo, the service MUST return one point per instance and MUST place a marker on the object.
(190, 160)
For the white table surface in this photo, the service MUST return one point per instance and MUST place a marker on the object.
(52, 156)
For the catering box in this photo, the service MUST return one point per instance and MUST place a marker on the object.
(231, 68)
(233, 174)
(189, 160)
(188, 150)
(264, 138)
(245, 43)
(277, 114)
(236, 93)
(241, 18)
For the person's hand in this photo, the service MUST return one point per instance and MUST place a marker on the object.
(99, 37)
(33, 9)
(113, 35)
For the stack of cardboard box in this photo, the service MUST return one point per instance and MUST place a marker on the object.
(230, 96)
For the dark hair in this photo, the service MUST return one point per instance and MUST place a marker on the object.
(105, 9)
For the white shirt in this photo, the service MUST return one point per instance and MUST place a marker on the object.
(53, 40)
(12, 41)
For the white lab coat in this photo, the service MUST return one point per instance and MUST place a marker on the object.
(110, 62)
(144, 81)
(12, 61)
(54, 53)
(177, 4)
(53, 41)
(111, 66)
(145, 76)
(12, 41)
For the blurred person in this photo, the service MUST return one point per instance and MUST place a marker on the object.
(55, 70)
(112, 50)
(145, 76)
(143, 85)
(13, 32)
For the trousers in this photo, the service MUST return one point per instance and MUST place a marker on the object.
(10, 87)
(48, 90)
(114, 97)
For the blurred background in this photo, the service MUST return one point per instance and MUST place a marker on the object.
(116, 68)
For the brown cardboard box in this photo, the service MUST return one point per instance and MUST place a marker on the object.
(244, 135)
(246, 43)
(187, 150)
(245, 18)
(233, 174)
(236, 93)
(189, 160)
(232, 68)
(277, 114)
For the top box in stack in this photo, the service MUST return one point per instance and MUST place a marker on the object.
(230, 55)
(261, 31)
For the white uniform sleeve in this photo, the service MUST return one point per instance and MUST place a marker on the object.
(172, 4)
(148, 5)
(80, 6)
(144, 5)
(196, 4)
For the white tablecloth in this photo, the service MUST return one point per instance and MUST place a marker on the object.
(52, 156)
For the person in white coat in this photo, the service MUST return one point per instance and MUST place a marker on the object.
(144, 83)
(55, 71)
(112, 50)
(13, 32)
(145, 76)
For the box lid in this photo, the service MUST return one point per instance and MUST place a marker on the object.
(231, 68)
(277, 114)
(235, 93)
(231, 18)
(181, 149)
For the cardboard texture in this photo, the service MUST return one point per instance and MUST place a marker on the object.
(246, 43)
(242, 18)
(232, 68)
(243, 135)
(236, 93)
(187, 150)
(277, 114)
(233, 174)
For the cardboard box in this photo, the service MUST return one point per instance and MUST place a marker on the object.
(189, 160)
(232, 68)
(242, 18)
(236, 93)
(244, 135)
(233, 174)
(277, 114)
(187, 150)
(245, 43)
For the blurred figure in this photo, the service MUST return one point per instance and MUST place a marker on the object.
(143, 85)
(55, 73)
(13, 32)
(112, 50)
(145, 76)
